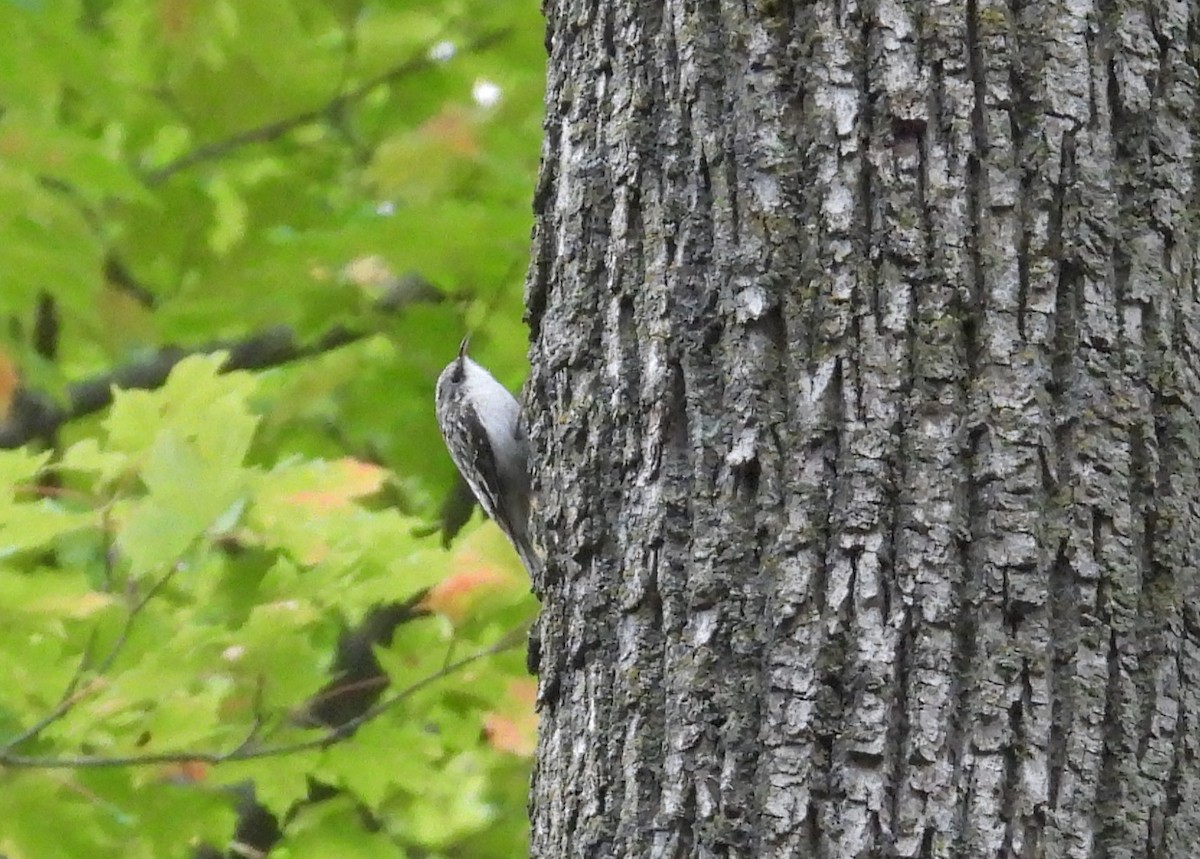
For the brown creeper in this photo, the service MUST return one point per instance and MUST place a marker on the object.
(481, 423)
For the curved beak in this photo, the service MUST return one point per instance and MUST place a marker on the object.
(462, 348)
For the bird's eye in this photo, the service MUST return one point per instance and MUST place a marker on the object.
(456, 375)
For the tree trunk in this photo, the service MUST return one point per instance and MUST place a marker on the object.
(864, 401)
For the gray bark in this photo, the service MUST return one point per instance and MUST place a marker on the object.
(864, 403)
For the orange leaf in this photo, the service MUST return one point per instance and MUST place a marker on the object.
(515, 730)
(175, 17)
(523, 691)
(455, 596)
(186, 772)
(324, 500)
(9, 378)
(453, 129)
(361, 478)
(348, 479)
(504, 735)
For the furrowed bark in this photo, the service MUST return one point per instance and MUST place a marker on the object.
(864, 403)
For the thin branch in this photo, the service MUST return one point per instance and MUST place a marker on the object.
(127, 627)
(256, 726)
(219, 148)
(70, 697)
(121, 278)
(333, 693)
(243, 752)
(274, 130)
(110, 549)
(358, 680)
(65, 702)
(36, 415)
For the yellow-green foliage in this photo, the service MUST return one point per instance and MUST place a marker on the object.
(176, 568)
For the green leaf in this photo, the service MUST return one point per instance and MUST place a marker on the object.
(34, 526)
(187, 493)
(50, 593)
(229, 216)
(279, 782)
(453, 807)
(20, 466)
(88, 456)
(81, 828)
(197, 399)
(369, 766)
(300, 139)
(335, 828)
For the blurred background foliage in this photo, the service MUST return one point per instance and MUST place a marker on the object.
(295, 208)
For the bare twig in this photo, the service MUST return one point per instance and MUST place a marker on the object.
(246, 752)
